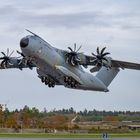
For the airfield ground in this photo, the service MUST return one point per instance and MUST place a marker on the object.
(67, 136)
(68, 139)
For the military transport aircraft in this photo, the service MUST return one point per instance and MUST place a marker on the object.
(61, 67)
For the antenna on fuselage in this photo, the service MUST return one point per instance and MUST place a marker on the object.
(37, 36)
(34, 34)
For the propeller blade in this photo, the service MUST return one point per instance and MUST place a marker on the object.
(11, 53)
(67, 60)
(2, 63)
(93, 54)
(102, 51)
(74, 47)
(3, 53)
(105, 59)
(79, 48)
(6, 63)
(98, 52)
(20, 53)
(77, 59)
(72, 61)
(1, 58)
(107, 53)
(7, 51)
(70, 49)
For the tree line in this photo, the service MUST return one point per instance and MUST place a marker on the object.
(59, 119)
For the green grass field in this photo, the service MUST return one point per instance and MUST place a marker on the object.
(40, 135)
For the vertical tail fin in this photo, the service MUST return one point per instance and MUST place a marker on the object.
(107, 75)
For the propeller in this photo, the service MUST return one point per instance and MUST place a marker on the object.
(72, 57)
(27, 62)
(99, 59)
(6, 58)
(21, 54)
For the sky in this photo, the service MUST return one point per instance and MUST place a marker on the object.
(90, 23)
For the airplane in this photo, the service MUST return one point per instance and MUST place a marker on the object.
(65, 67)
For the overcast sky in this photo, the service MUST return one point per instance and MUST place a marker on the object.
(92, 23)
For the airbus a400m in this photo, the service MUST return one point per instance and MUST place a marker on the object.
(65, 67)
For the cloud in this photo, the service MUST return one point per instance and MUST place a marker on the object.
(66, 20)
(129, 27)
(7, 10)
(19, 15)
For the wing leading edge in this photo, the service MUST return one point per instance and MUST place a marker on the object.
(20, 64)
(123, 65)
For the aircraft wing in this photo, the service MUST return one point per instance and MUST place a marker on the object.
(13, 66)
(123, 65)
(8, 67)
(20, 64)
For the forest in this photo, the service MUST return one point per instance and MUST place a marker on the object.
(59, 119)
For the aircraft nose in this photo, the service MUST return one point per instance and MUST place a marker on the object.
(24, 42)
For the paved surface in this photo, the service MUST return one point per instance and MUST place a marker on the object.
(69, 139)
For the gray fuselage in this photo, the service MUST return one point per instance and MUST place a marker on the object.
(51, 61)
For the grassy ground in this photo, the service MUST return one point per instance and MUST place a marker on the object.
(35, 135)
